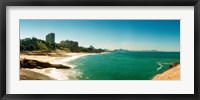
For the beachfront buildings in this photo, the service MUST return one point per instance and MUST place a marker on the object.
(72, 45)
(50, 38)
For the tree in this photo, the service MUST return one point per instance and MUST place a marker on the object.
(91, 47)
(41, 45)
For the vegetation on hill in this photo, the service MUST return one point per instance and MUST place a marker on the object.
(34, 44)
(31, 44)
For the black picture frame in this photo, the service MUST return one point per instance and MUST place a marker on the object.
(4, 3)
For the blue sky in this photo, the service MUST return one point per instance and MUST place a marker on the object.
(162, 35)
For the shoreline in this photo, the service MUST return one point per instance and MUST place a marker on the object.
(48, 73)
(55, 60)
(70, 57)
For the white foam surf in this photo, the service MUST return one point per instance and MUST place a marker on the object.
(159, 64)
(67, 59)
(59, 74)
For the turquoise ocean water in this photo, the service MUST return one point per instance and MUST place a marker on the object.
(124, 65)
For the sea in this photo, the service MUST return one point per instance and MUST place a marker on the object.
(120, 65)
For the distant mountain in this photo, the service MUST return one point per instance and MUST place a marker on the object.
(124, 50)
(121, 50)
(150, 51)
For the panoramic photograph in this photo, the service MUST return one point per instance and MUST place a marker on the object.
(53, 49)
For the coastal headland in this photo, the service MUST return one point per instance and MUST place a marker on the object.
(173, 73)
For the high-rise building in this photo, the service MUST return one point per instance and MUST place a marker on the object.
(50, 38)
(72, 45)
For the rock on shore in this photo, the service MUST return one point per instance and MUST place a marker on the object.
(27, 63)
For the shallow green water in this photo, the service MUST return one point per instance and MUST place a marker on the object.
(124, 65)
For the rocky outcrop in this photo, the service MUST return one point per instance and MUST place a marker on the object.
(174, 65)
(27, 63)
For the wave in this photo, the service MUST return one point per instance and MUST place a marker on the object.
(67, 59)
(161, 65)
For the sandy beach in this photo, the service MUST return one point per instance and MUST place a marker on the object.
(70, 57)
(54, 59)
(50, 73)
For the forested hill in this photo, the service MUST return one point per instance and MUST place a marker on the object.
(34, 44)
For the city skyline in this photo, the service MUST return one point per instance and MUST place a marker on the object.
(161, 35)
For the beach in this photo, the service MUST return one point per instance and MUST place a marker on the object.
(99, 49)
(54, 59)
(49, 73)
(70, 57)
